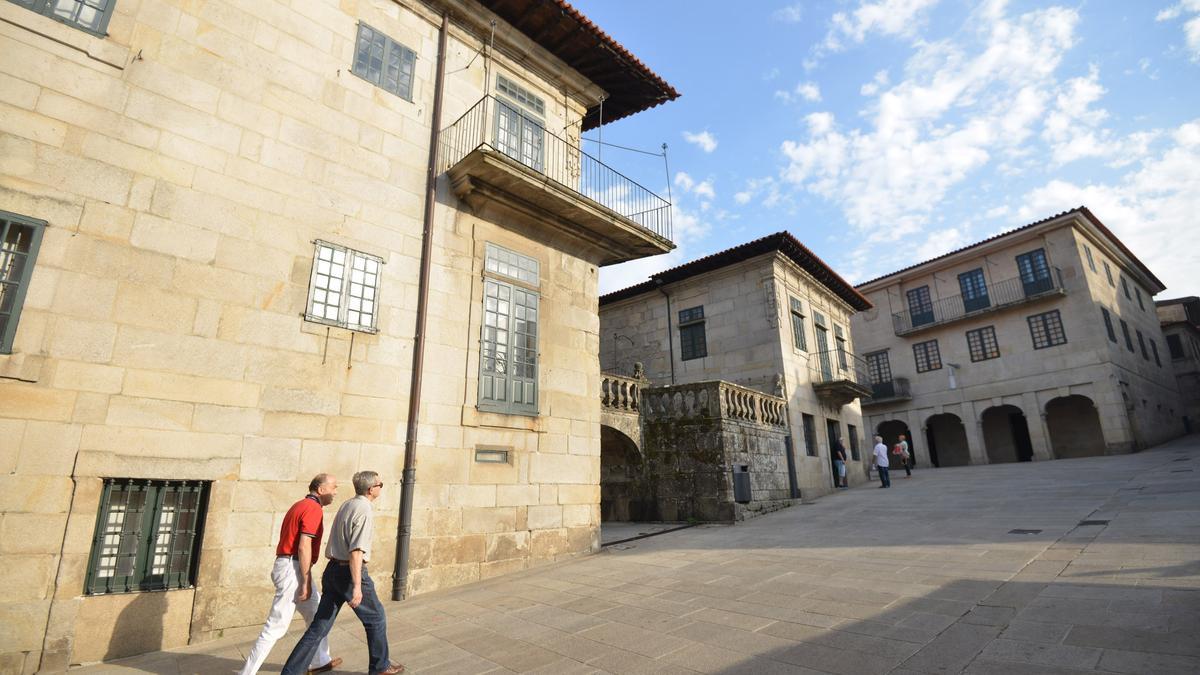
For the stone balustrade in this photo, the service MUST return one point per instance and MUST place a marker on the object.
(714, 399)
(620, 393)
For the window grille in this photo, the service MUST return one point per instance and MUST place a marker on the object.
(810, 434)
(1035, 272)
(878, 368)
(511, 264)
(344, 288)
(799, 338)
(1047, 330)
(20, 238)
(692, 340)
(839, 337)
(520, 94)
(920, 306)
(982, 343)
(383, 62)
(974, 290)
(147, 535)
(1108, 324)
(927, 356)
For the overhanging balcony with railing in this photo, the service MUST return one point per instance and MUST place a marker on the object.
(987, 298)
(497, 153)
(889, 391)
(838, 377)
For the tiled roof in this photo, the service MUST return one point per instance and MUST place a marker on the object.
(565, 32)
(1082, 210)
(783, 242)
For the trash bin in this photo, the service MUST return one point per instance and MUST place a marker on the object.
(741, 483)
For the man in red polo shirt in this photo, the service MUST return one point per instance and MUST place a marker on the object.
(299, 547)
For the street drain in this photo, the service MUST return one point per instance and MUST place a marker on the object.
(1024, 531)
(1093, 522)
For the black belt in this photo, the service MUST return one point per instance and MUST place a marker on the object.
(335, 561)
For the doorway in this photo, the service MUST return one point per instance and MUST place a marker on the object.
(834, 432)
(1006, 435)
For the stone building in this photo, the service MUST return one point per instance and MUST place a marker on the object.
(767, 317)
(1038, 343)
(229, 261)
(1180, 319)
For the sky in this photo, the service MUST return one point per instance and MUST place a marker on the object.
(885, 132)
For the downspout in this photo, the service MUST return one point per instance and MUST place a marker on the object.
(670, 340)
(408, 483)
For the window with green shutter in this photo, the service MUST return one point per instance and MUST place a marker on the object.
(383, 62)
(20, 238)
(147, 536)
(508, 346)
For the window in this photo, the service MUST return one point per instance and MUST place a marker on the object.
(1047, 330)
(852, 432)
(20, 238)
(878, 368)
(491, 455)
(508, 345)
(520, 94)
(799, 339)
(89, 15)
(1142, 345)
(1108, 326)
(982, 343)
(147, 535)
(1035, 272)
(839, 338)
(1125, 288)
(1091, 262)
(810, 434)
(691, 334)
(344, 288)
(1141, 305)
(1154, 348)
(927, 356)
(974, 290)
(1125, 331)
(1175, 347)
(383, 62)
(920, 306)
(1108, 273)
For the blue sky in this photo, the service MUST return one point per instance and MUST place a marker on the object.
(885, 132)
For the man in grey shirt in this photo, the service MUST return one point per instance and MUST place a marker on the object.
(346, 581)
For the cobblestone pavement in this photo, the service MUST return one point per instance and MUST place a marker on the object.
(927, 577)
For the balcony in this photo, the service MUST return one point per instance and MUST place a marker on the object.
(838, 377)
(890, 391)
(1000, 295)
(495, 153)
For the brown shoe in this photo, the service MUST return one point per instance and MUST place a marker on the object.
(333, 663)
(394, 669)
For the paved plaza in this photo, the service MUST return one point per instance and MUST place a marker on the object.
(931, 576)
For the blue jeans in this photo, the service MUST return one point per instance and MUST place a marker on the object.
(336, 588)
(883, 478)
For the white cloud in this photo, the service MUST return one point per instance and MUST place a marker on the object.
(887, 17)
(684, 180)
(1151, 209)
(690, 227)
(704, 190)
(1191, 27)
(704, 140)
(996, 212)
(790, 14)
(871, 88)
(939, 242)
(743, 197)
(807, 91)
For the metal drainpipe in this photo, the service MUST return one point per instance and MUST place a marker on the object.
(670, 341)
(404, 529)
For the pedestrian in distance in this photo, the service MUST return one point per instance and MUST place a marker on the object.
(345, 581)
(905, 456)
(839, 462)
(879, 458)
(297, 552)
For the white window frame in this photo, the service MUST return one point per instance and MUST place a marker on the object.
(354, 289)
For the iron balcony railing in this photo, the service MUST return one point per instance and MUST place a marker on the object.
(992, 297)
(894, 389)
(835, 365)
(501, 127)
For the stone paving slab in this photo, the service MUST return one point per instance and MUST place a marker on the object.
(925, 578)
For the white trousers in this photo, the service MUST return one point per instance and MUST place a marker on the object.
(286, 576)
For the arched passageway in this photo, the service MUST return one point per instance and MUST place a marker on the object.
(1006, 435)
(891, 430)
(947, 439)
(1074, 425)
(620, 468)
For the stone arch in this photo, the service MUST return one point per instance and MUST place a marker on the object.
(891, 430)
(620, 473)
(947, 440)
(1006, 434)
(1074, 426)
